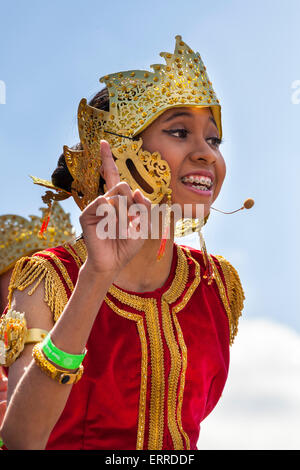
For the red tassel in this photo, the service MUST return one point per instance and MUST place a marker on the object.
(208, 273)
(5, 339)
(167, 220)
(162, 246)
(45, 223)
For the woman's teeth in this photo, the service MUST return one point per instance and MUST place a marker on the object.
(203, 183)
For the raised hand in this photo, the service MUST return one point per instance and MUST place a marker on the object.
(111, 254)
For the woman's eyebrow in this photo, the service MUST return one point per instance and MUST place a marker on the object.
(187, 114)
(180, 113)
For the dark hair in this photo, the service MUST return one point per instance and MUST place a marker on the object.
(61, 176)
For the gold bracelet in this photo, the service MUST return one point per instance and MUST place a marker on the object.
(61, 376)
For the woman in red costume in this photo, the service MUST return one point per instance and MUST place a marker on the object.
(154, 334)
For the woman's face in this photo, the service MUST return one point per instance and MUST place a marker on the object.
(188, 139)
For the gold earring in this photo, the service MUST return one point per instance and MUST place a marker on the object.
(208, 273)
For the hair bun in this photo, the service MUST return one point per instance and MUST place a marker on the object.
(61, 177)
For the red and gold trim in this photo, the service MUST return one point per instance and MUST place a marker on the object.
(163, 348)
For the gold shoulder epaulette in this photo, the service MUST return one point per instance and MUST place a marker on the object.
(31, 271)
(235, 292)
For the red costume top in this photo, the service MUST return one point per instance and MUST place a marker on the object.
(157, 361)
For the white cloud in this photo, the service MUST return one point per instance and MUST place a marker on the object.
(260, 405)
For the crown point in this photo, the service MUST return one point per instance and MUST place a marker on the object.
(178, 37)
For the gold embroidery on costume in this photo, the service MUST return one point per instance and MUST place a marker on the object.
(30, 269)
(173, 379)
(71, 252)
(183, 349)
(192, 287)
(235, 291)
(175, 310)
(176, 377)
(222, 292)
(80, 249)
(166, 394)
(233, 303)
(149, 306)
(61, 267)
(156, 418)
(144, 362)
(170, 296)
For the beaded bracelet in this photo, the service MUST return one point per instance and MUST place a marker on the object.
(59, 357)
(61, 376)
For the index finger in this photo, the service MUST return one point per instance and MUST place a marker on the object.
(109, 168)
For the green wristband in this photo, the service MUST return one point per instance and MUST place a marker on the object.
(59, 357)
(1, 443)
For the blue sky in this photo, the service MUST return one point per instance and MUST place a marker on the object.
(52, 55)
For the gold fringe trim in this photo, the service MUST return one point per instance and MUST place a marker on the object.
(30, 269)
(236, 294)
(80, 249)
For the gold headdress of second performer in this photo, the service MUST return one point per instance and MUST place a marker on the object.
(136, 99)
(20, 237)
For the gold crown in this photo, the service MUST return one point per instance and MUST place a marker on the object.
(136, 99)
(20, 237)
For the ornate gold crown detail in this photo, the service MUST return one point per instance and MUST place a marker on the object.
(136, 99)
(20, 237)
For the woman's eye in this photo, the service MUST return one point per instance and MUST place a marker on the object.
(215, 141)
(181, 133)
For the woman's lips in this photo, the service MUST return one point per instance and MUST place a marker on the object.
(200, 192)
(200, 182)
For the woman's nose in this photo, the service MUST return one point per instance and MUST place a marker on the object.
(203, 153)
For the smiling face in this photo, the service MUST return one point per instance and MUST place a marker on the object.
(188, 139)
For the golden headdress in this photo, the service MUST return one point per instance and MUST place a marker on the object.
(136, 99)
(20, 237)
